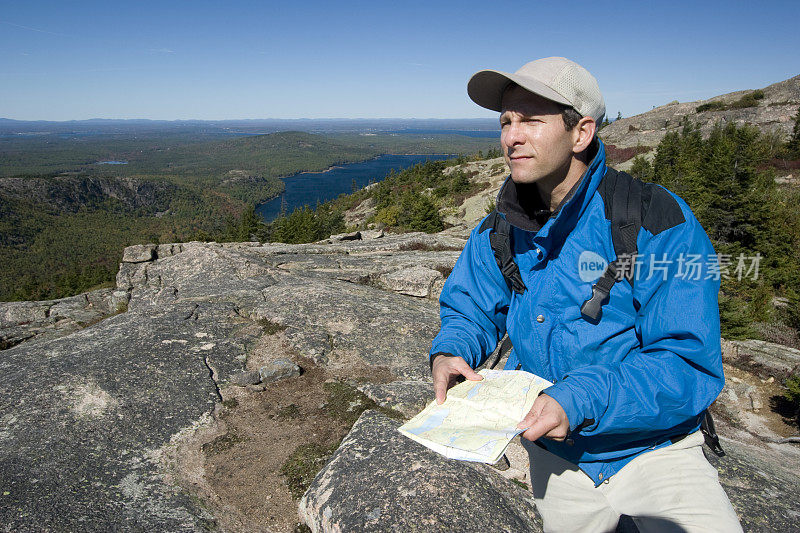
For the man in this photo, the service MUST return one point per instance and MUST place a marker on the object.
(617, 432)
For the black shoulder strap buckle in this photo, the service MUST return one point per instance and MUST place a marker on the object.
(601, 290)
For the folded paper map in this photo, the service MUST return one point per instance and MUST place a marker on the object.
(479, 418)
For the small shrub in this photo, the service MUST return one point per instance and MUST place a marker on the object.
(490, 205)
(619, 155)
(459, 182)
(711, 106)
(388, 215)
(419, 213)
(748, 100)
(792, 397)
(642, 169)
(519, 483)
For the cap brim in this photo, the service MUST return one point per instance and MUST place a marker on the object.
(486, 87)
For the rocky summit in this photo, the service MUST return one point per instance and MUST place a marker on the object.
(258, 387)
(771, 109)
(192, 395)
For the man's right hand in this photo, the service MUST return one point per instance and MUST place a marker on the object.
(446, 370)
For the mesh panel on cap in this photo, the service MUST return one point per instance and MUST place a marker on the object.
(577, 86)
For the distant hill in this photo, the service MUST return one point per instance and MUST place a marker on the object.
(250, 126)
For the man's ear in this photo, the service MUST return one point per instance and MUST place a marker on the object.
(583, 133)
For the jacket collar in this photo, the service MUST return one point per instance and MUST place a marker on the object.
(552, 228)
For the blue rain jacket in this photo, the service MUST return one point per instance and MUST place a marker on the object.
(640, 377)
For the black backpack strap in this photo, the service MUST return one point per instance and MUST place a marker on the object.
(626, 221)
(500, 241)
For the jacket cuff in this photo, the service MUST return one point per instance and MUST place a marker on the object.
(577, 412)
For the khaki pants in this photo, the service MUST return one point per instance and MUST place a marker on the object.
(671, 489)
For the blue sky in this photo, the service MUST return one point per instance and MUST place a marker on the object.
(262, 59)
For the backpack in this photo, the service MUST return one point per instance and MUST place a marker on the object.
(625, 212)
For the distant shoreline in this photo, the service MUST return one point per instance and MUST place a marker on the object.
(306, 189)
(342, 165)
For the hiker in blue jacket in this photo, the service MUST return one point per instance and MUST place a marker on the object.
(607, 288)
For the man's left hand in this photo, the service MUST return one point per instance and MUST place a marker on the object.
(545, 419)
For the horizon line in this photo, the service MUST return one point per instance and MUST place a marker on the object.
(241, 119)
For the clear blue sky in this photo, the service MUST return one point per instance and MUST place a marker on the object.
(262, 59)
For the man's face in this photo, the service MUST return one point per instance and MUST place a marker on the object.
(535, 143)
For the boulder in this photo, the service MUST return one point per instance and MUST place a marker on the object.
(765, 359)
(379, 480)
(21, 321)
(761, 481)
(371, 234)
(407, 397)
(339, 237)
(277, 370)
(244, 378)
(83, 417)
(413, 281)
(139, 253)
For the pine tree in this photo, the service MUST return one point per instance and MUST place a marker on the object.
(793, 146)
(641, 168)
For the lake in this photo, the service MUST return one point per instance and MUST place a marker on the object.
(310, 187)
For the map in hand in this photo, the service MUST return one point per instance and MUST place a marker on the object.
(478, 419)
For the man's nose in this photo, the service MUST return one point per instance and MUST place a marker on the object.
(513, 135)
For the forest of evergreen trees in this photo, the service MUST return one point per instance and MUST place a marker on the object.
(728, 179)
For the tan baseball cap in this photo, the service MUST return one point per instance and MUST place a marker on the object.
(555, 78)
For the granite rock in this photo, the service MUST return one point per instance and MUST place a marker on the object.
(277, 370)
(139, 253)
(410, 488)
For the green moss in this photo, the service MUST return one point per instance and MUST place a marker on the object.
(222, 443)
(270, 327)
(289, 411)
(230, 403)
(303, 464)
(347, 403)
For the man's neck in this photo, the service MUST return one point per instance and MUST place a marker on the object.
(553, 189)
